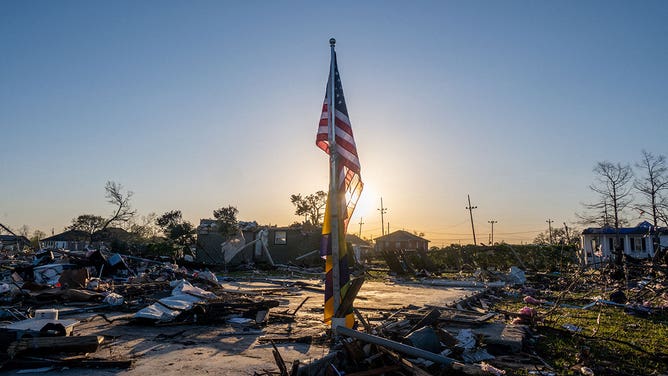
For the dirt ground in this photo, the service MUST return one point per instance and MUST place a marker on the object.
(230, 349)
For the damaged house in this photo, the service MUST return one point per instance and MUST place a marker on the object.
(112, 238)
(640, 242)
(361, 248)
(73, 240)
(255, 244)
(13, 243)
(216, 249)
(400, 247)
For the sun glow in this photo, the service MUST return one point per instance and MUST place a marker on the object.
(369, 200)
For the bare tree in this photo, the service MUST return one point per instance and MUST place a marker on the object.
(652, 186)
(597, 213)
(612, 184)
(24, 230)
(115, 196)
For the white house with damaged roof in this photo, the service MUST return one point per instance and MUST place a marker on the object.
(640, 242)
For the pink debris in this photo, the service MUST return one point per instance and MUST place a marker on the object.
(528, 312)
(531, 300)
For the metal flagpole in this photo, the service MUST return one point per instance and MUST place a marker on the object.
(334, 186)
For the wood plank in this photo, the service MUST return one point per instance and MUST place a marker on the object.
(79, 344)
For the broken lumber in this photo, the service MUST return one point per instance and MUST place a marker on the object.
(279, 361)
(400, 347)
(427, 319)
(71, 363)
(79, 344)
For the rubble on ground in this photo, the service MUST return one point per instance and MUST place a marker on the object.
(45, 298)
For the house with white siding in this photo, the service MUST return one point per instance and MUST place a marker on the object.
(599, 244)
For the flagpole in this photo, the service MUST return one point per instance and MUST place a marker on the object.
(334, 185)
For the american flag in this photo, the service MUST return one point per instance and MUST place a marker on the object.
(349, 164)
(349, 183)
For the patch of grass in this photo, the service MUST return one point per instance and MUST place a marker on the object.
(607, 339)
(376, 275)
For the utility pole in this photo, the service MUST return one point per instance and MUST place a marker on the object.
(549, 224)
(492, 222)
(470, 209)
(382, 210)
(568, 238)
(361, 223)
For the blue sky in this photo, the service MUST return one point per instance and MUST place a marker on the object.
(197, 105)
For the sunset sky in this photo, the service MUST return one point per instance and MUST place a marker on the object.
(194, 105)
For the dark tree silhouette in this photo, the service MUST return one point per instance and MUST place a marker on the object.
(175, 228)
(226, 220)
(311, 206)
(89, 223)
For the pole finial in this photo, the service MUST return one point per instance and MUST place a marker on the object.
(332, 41)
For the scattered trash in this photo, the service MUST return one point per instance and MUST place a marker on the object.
(425, 338)
(465, 339)
(46, 314)
(44, 294)
(572, 328)
(531, 300)
(114, 299)
(239, 320)
(516, 276)
(491, 369)
(586, 371)
(476, 356)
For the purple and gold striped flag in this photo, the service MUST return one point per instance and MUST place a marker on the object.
(349, 189)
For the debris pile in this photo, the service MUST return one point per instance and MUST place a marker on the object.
(39, 296)
(465, 338)
(50, 304)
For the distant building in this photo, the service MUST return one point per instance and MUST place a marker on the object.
(283, 244)
(13, 243)
(73, 240)
(599, 244)
(361, 248)
(112, 238)
(287, 243)
(401, 240)
(210, 242)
